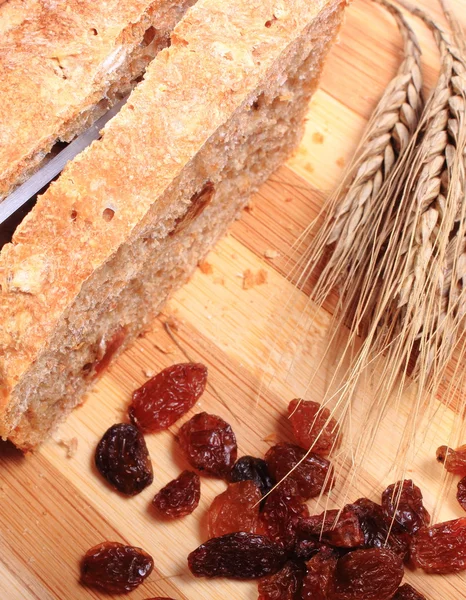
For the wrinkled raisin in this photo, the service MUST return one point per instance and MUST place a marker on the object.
(407, 592)
(236, 509)
(312, 475)
(179, 497)
(168, 396)
(238, 556)
(306, 547)
(372, 574)
(284, 585)
(461, 492)
(115, 568)
(209, 444)
(404, 503)
(283, 509)
(441, 548)
(313, 427)
(122, 458)
(334, 527)
(378, 531)
(320, 570)
(254, 469)
(454, 461)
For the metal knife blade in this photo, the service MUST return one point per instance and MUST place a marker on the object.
(53, 167)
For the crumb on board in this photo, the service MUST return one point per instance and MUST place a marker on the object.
(271, 253)
(219, 280)
(251, 279)
(148, 373)
(309, 168)
(272, 437)
(317, 138)
(205, 267)
(341, 162)
(71, 446)
(162, 349)
(288, 199)
(250, 206)
(173, 323)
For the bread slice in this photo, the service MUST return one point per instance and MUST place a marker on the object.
(128, 220)
(62, 64)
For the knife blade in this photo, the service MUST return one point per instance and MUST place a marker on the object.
(27, 190)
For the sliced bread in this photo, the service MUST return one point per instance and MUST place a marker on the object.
(128, 220)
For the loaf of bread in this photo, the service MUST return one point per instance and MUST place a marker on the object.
(128, 220)
(62, 64)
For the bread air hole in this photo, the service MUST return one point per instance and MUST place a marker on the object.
(73, 215)
(94, 31)
(108, 214)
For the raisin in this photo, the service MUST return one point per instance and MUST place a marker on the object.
(334, 527)
(441, 548)
(461, 492)
(378, 531)
(179, 497)
(312, 475)
(282, 512)
(115, 568)
(209, 444)
(284, 585)
(168, 396)
(236, 509)
(306, 547)
(238, 556)
(454, 461)
(372, 574)
(405, 506)
(313, 427)
(122, 458)
(254, 469)
(320, 570)
(407, 592)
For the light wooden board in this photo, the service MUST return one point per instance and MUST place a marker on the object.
(53, 508)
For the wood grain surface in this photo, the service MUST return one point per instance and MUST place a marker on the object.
(261, 348)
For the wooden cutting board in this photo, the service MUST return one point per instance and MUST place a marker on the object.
(54, 507)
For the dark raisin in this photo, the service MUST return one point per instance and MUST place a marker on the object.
(179, 497)
(313, 427)
(284, 585)
(403, 502)
(254, 469)
(372, 574)
(306, 547)
(441, 548)
(168, 396)
(115, 568)
(378, 531)
(334, 527)
(209, 444)
(236, 509)
(406, 592)
(238, 556)
(282, 512)
(320, 571)
(461, 492)
(454, 461)
(122, 458)
(312, 475)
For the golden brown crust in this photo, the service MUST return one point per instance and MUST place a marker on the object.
(57, 59)
(167, 120)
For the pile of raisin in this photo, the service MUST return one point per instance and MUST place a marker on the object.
(260, 526)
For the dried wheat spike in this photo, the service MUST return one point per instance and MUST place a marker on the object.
(390, 128)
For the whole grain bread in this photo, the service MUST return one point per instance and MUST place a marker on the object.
(128, 219)
(62, 64)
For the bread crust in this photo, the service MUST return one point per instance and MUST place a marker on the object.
(165, 123)
(58, 61)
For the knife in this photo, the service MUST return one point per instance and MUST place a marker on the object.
(27, 190)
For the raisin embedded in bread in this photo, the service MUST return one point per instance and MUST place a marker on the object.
(128, 219)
